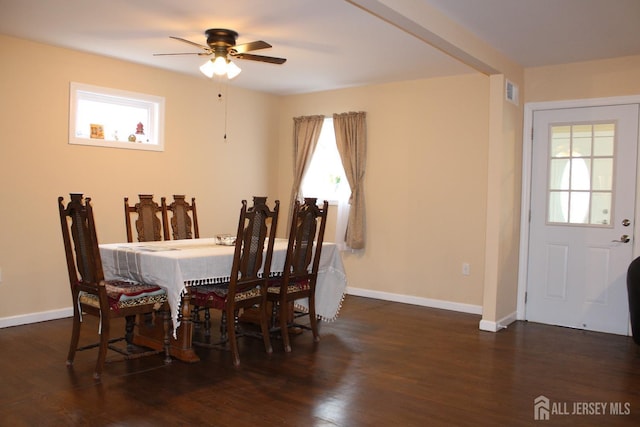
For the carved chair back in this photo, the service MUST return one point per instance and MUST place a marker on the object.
(183, 223)
(148, 224)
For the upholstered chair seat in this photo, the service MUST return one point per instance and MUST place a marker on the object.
(123, 294)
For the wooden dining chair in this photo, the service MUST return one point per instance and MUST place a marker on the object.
(300, 271)
(148, 223)
(183, 223)
(247, 285)
(105, 299)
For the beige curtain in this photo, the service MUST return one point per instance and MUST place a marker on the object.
(306, 131)
(351, 139)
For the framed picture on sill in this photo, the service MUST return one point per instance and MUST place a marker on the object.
(97, 131)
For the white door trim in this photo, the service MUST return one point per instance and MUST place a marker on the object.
(529, 109)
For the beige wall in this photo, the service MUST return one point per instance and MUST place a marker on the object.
(503, 209)
(425, 183)
(37, 164)
(429, 149)
(583, 80)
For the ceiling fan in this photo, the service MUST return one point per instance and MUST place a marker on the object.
(221, 43)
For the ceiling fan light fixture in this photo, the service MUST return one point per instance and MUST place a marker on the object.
(220, 66)
(207, 68)
(232, 70)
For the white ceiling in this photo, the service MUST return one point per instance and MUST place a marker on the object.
(547, 32)
(328, 44)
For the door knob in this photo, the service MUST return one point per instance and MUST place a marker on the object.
(626, 222)
(623, 239)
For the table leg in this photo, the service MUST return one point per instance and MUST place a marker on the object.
(151, 334)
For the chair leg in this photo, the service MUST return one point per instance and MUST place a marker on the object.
(264, 325)
(313, 319)
(130, 323)
(274, 313)
(75, 338)
(223, 327)
(233, 342)
(167, 336)
(207, 322)
(195, 316)
(102, 351)
(284, 327)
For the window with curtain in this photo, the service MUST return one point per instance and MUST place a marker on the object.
(350, 139)
(325, 177)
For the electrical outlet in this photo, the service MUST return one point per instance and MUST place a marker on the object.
(466, 269)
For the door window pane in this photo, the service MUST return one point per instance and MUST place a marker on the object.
(581, 173)
(603, 139)
(602, 174)
(558, 207)
(559, 179)
(578, 207)
(560, 141)
(581, 136)
(601, 208)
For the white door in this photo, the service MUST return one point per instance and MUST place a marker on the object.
(583, 188)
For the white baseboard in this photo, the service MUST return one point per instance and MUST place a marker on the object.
(43, 316)
(408, 299)
(491, 326)
(485, 325)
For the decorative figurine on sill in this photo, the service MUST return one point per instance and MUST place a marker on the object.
(140, 132)
(132, 138)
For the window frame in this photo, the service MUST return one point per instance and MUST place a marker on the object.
(155, 106)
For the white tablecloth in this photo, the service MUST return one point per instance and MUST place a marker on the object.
(176, 264)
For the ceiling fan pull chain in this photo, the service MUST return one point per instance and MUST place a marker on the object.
(221, 99)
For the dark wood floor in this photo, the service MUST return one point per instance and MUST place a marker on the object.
(379, 364)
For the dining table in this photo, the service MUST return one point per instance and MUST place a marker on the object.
(177, 265)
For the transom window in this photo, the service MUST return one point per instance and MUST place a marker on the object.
(115, 118)
(581, 173)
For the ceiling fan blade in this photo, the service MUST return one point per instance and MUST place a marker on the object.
(183, 53)
(246, 47)
(201, 46)
(269, 59)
